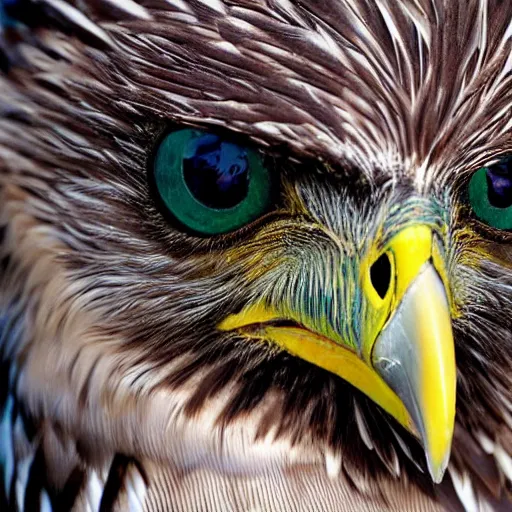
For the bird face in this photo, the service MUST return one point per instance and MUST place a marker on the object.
(356, 285)
(377, 314)
(232, 206)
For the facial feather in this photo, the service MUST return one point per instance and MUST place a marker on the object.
(120, 307)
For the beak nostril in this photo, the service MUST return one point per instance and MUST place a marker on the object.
(380, 275)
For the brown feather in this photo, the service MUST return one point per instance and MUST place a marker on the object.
(109, 336)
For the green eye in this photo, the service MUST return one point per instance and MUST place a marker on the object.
(209, 184)
(490, 194)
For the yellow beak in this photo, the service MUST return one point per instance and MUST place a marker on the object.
(406, 361)
(414, 355)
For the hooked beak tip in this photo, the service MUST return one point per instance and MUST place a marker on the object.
(414, 355)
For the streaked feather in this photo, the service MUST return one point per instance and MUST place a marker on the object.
(410, 94)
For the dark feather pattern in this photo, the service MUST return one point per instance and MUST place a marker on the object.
(115, 379)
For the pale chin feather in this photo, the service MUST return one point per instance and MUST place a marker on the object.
(151, 423)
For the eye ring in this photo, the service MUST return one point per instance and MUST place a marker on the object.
(190, 162)
(490, 194)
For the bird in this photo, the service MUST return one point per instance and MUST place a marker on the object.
(256, 255)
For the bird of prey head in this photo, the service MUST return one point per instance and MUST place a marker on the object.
(256, 254)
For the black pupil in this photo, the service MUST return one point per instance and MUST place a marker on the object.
(217, 173)
(499, 181)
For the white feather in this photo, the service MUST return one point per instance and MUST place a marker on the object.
(135, 490)
(486, 443)
(464, 489)
(22, 473)
(45, 503)
(332, 463)
(361, 425)
(94, 490)
(130, 7)
(504, 461)
(75, 16)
